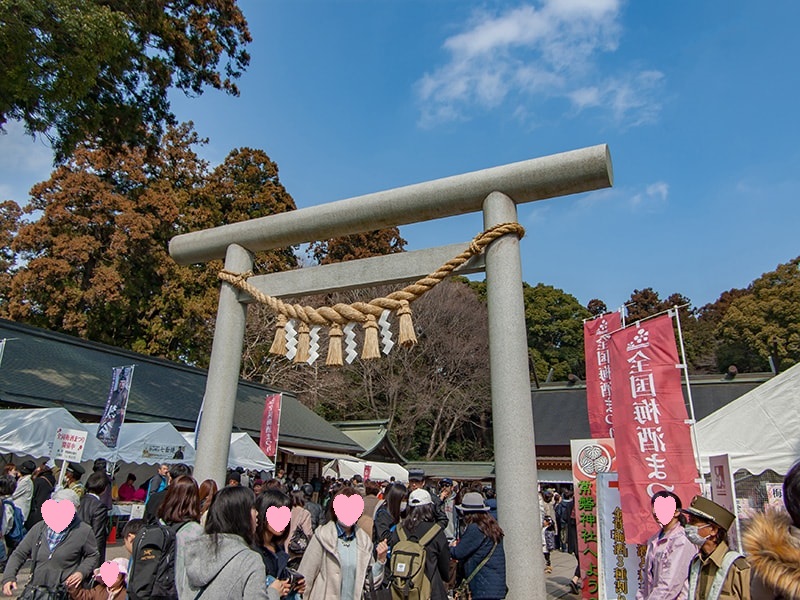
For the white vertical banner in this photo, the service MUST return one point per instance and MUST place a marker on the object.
(620, 562)
(723, 493)
(197, 423)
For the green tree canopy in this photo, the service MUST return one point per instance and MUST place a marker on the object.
(95, 262)
(80, 69)
(555, 331)
(596, 307)
(762, 322)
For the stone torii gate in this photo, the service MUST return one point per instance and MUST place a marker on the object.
(496, 192)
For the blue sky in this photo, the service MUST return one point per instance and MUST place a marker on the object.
(697, 100)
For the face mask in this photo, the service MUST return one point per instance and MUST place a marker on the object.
(403, 506)
(693, 534)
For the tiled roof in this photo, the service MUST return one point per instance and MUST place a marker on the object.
(41, 368)
(374, 437)
(560, 413)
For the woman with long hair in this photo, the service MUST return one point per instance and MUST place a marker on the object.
(669, 554)
(390, 512)
(207, 490)
(338, 557)
(420, 525)
(300, 529)
(481, 549)
(270, 544)
(180, 511)
(222, 563)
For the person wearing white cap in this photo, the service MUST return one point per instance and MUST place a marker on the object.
(420, 525)
(58, 557)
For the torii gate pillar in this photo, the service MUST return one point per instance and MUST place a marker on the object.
(516, 476)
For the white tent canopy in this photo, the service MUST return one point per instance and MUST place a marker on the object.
(141, 443)
(759, 430)
(380, 471)
(31, 431)
(244, 452)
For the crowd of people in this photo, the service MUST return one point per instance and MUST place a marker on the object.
(222, 543)
(440, 541)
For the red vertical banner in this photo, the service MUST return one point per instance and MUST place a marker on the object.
(367, 471)
(270, 425)
(589, 457)
(596, 339)
(652, 436)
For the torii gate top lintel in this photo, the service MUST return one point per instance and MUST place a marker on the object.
(571, 172)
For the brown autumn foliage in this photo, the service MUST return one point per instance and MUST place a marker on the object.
(94, 257)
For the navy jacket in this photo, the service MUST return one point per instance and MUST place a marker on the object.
(490, 582)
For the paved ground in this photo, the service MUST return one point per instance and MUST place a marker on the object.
(557, 582)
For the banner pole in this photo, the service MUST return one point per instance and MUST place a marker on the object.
(125, 412)
(685, 367)
(278, 436)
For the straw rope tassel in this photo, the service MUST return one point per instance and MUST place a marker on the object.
(279, 343)
(334, 346)
(371, 347)
(343, 317)
(303, 343)
(408, 336)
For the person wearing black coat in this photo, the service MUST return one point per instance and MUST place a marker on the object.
(420, 520)
(270, 544)
(390, 512)
(481, 539)
(94, 512)
(101, 465)
(43, 484)
(416, 481)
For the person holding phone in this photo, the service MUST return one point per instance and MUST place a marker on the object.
(338, 558)
(283, 583)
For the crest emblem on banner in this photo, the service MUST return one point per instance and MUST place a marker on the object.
(594, 459)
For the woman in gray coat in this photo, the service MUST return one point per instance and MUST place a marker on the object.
(221, 563)
(65, 557)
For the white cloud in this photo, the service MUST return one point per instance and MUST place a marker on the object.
(653, 197)
(536, 52)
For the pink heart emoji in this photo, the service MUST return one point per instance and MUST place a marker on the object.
(348, 508)
(278, 517)
(58, 514)
(665, 509)
(109, 571)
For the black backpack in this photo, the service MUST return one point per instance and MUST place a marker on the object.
(152, 574)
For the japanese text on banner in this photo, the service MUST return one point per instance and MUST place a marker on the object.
(596, 338)
(652, 435)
